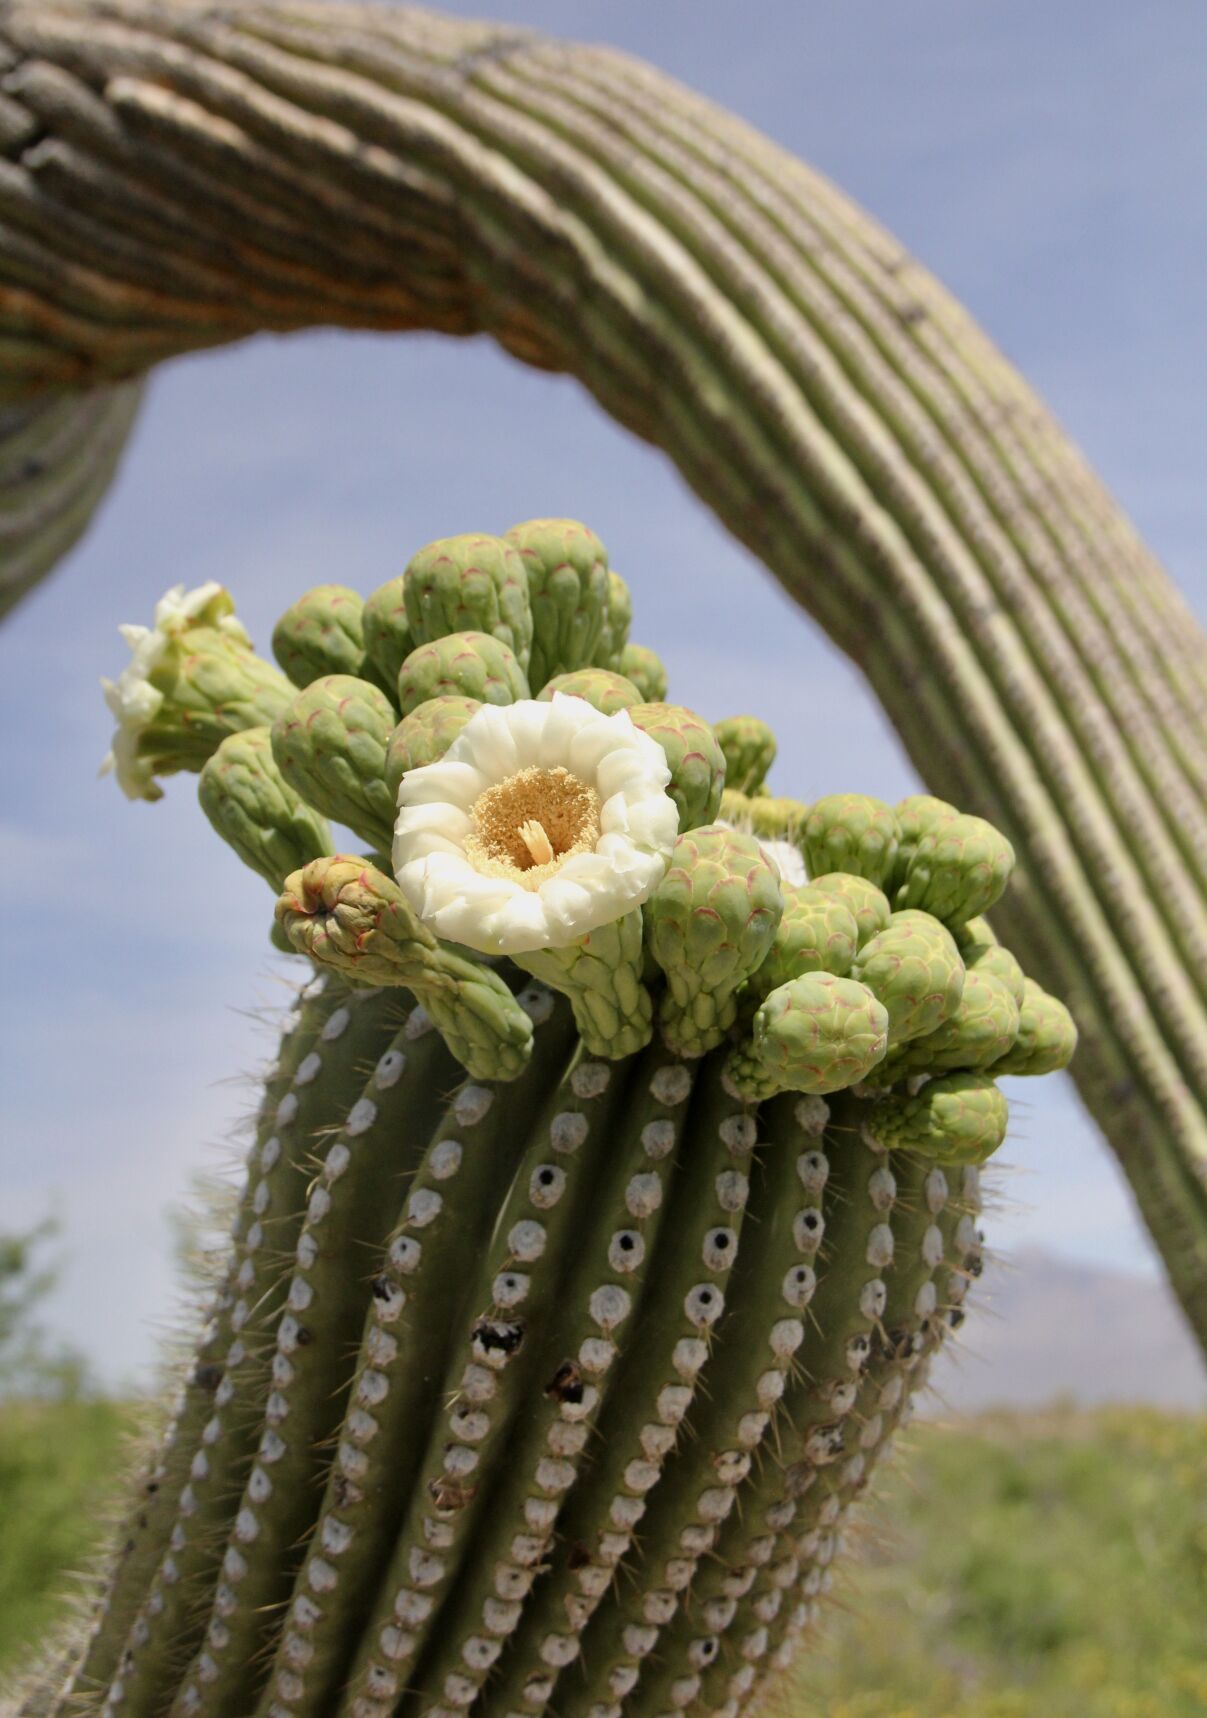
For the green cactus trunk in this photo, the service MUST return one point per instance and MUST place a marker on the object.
(519, 1395)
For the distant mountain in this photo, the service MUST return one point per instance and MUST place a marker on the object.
(1040, 1328)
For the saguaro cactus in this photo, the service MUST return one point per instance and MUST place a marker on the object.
(587, 1262)
(180, 173)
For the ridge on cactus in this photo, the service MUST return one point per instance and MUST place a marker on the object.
(629, 1139)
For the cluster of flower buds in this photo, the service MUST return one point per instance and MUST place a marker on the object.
(529, 800)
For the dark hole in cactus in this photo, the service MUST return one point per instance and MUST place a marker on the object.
(207, 1376)
(305, 1335)
(627, 1243)
(580, 1555)
(497, 1336)
(566, 1385)
(545, 1177)
(975, 1266)
(811, 1220)
(955, 1317)
(708, 1649)
(382, 1288)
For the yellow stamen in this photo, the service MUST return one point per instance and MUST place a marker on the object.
(528, 824)
(532, 834)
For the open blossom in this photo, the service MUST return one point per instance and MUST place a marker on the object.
(540, 823)
(133, 698)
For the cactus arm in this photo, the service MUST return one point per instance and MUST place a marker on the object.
(603, 1302)
(325, 1084)
(355, 1167)
(145, 1532)
(418, 1292)
(657, 1381)
(833, 405)
(488, 1376)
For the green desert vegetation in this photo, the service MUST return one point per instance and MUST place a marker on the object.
(1014, 1565)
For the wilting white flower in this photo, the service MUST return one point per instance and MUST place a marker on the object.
(787, 858)
(540, 823)
(132, 697)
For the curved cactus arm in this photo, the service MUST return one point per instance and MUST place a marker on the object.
(708, 1189)
(418, 1292)
(325, 1084)
(489, 1373)
(276, 166)
(355, 1169)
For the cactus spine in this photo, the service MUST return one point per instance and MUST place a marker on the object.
(586, 1264)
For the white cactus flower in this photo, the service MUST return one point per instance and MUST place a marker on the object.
(787, 859)
(540, 823)
(134, 700)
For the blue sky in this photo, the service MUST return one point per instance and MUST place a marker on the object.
(1046, 162)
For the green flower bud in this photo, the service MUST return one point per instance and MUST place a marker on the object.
(617, 621)
(322, 633)
(958, 1119)
(599, 687)
(388, 640)
(850, 832)
(695, 760)
(777, 819)
(749, 749)
(254, 809)
(974, 932)
(993, 958)
(1046, 1037)
(868, 903)
(469, 584)
(915, 969)
(818, 1033)
(568, 588)
(467, 664)
(917, 815)
(601, 976)
(330, 745)
(192, 679)
(645, 670)
(959, 870)
(977, 1035)
(817, 933)
(349, 916)
(710, 923)
(425, 735)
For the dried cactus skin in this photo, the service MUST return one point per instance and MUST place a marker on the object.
(425, 735)
(818, 1033)
(710, 923)
(1046, 1038)
(852, 833)
(646, 670)
(330, 746)
(697, 764)
(255, 811)
(569, 590)
(347, 915)
(474, 583)
(322, 633)
(463, 664)
(958, 870)
(914, 968)
(602, 688)
(958, 1118)
(749, 748)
